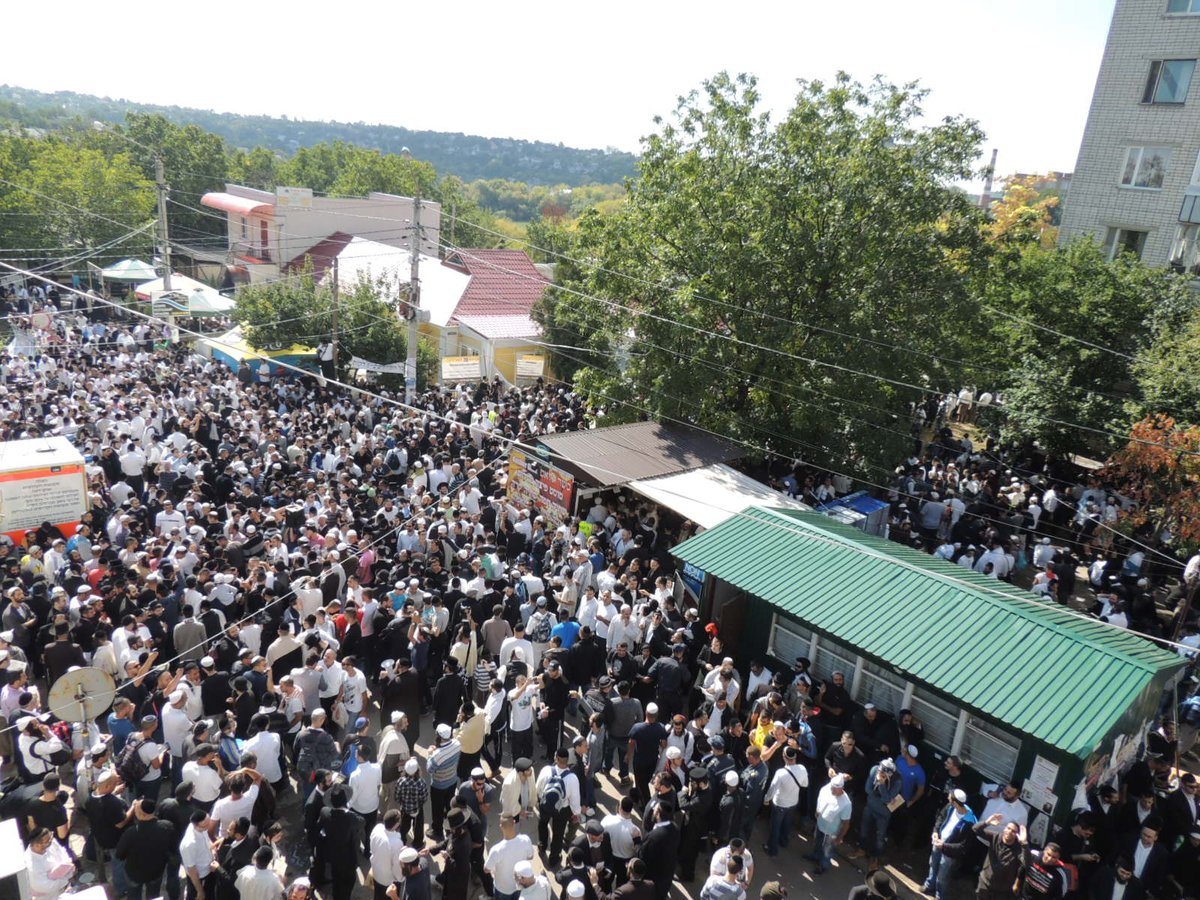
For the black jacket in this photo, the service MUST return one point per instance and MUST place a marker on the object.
(145, 848)
(1101, 886)
(660, 851)
(1154, 873)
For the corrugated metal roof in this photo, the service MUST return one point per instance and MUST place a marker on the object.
(623, 453)
(1033, 666)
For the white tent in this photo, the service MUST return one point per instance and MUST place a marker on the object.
(711, 494)
(129, 270)
(180, 283)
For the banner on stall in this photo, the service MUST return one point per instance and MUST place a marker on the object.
(365, 365)
(461, 368)
(532, 482)
(531, 365)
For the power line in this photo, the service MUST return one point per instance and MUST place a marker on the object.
(530, 448)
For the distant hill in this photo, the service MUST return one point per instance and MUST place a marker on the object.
(470, 157)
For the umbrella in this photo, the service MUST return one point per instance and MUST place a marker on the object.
(129, 270)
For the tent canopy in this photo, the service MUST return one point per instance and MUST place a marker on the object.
(181, 283)
(129, 270)
(209, 303)
(711, 494)
(232, 349)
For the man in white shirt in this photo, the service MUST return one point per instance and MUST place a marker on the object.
(243, 792)
(623, 833)
(265, 745)
(364, 785)
(509, 644)
(557, 778)
(196, 853)
(202, 773)
(385, 843)
(784, 796)
(177, 725)
(504, 856)
(1007, 803)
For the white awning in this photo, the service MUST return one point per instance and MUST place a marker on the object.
(712, 494)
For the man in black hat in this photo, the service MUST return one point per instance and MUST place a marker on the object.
(878, 886)
(669, 674)
(341, 834)
(595, 844)
(697, 807)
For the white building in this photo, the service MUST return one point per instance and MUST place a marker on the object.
(268, 231)
(1136, 185)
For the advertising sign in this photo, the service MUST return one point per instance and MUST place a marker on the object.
(41, 480)
(535, 483)
(461, 368)
(531, 365)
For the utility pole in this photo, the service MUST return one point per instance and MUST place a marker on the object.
(164, 244)
(337, 302)
(414, 304)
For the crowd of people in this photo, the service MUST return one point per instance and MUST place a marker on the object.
(341, 649)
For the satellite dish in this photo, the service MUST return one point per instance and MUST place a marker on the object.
(82, 694)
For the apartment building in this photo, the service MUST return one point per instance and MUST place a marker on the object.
(1136, 185)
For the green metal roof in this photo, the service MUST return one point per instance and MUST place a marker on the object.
(1032, 666)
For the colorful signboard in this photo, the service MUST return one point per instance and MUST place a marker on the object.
(536, 483)
(461, 368)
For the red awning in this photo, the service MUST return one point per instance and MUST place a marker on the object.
(240, 205)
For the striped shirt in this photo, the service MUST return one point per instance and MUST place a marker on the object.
(443, 764)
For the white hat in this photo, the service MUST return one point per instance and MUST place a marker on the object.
(960, 795)
(411, 766)
(444, 731)
(837, 781)
(523, 869)
(396, 716)
(731, 779)
(409, 855)
(674, 753)
(912, 750)
(575, 889)
(207, 662)
(652, 709)
(176, 696)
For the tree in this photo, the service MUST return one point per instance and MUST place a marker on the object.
(1168, 371)
(1160, 466)
(1025, 214)
(1066, 324)
(65, 198)
(747, 250)
(299, 310)
(195, 162)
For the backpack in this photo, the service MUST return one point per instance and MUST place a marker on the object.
(553, 795)
(130, 765)
(350, 760)
(540, 633)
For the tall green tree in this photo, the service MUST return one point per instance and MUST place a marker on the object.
(1067, 324)
(64, 198)
(300, 311)
(748, 248)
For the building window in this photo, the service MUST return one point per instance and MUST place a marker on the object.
(881, 686)
(789, 641)
(1169, 81)
(1124, 240)
(1187, 7)
(245, 229)
(989, 750)
(939, 718)
(1184, 256)
(1145, 167)
(834, 657)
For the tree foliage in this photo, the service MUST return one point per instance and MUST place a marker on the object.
(1066, 324)
(1167, 371)
(1025, 214)
(60, 198)
(1160, 467)
(746, 249)
(299, 310)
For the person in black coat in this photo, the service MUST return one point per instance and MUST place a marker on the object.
(456, 870)
(595, 844)
(448, 695)
(659, 850)
(341, 834)
(313, 806)
(236, 852)
(1106, 878)
(1154, 870)
(401, 692)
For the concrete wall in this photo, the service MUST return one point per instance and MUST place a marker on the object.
(1142, 31)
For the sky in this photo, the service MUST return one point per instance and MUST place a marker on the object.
(583, 74)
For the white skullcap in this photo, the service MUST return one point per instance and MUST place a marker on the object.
(575, 889)
(411, 767)
(837, 781)
(523, 869)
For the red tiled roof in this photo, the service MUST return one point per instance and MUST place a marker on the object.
(322, 253)
(503, 282)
